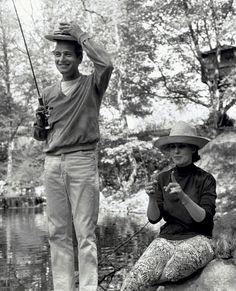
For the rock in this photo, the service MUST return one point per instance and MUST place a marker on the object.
(218, 275)
(218, 158)
(224, 236)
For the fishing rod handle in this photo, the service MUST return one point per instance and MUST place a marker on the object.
(45, 117)
(40, 100)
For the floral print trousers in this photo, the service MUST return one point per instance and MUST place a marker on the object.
(168, 260)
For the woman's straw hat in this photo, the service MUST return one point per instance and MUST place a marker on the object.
(182, 132)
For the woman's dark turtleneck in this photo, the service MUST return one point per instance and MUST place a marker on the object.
(185, 171)
(200, 186)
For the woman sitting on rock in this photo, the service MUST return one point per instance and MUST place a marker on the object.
(184, 197)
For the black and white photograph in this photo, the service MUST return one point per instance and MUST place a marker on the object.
(118, 145)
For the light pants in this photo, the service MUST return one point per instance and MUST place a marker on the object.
(71, 184)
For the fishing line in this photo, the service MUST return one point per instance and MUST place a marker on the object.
(124, 243)
(131, 237)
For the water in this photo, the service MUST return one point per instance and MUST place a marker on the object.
(25, 258)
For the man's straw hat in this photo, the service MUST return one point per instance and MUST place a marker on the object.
(58, 35)
(182, 132)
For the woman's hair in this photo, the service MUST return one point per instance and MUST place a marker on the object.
(195, 157)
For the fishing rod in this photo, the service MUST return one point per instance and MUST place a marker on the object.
(123, 243)
(28, 54)
(112, 252)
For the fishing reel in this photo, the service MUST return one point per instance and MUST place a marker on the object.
(42, 115)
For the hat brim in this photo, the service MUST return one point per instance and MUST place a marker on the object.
(56, 37)
(164, 141)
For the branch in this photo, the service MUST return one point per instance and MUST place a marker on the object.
(207, 33)
(18, 48)
(13, 133)
(111, 274)
(229, 105)
(192, 34)
(229, 7)
(178, 49)
(184, 94)
(196, 101)
(212, 88)
(214, 18)
(93, 12)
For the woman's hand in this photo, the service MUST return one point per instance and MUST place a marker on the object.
(150, 188)
(174, 188)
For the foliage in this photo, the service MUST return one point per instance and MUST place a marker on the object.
(14, 108)
(126, 165)
(184, 30)
(156, 49)
(137, 45)
(28, 160)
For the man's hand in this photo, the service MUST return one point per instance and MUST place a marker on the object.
(71, 28)
(41, 118)
(41, 124)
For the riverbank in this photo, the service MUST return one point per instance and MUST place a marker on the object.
(26, 252)
(21, 202)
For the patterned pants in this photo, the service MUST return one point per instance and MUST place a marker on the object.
(167, 260)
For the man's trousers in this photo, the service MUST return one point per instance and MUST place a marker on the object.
(72, 190)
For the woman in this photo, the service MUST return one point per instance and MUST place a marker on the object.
(184, 197)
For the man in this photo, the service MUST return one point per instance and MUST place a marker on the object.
(71, 136)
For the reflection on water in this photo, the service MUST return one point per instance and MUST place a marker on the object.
(24, 252)
(24, 249)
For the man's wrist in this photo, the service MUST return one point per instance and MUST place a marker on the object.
(82, 37)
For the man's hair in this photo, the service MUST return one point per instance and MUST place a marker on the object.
(78, 48)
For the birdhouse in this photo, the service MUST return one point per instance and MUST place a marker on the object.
(226, 63)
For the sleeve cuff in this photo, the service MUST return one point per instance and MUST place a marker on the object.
(206, 226)
(83, 37)
(155, 221)
(206, 220)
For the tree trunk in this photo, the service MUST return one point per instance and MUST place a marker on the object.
(10, 167)
(127, 185)
(124, 123)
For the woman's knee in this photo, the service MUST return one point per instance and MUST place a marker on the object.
(187, 259)
(150, 265)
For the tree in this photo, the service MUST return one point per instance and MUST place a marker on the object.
(184, 30)
(137, 46)
(156, 47)
(13, 108)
